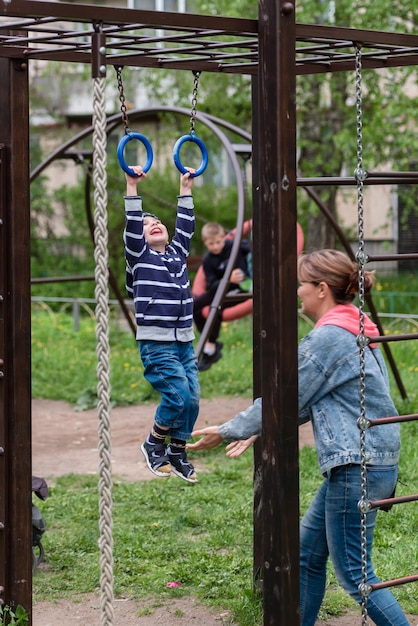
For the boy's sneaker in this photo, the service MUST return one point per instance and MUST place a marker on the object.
(156, 457)
(181, 466)
(207, 360)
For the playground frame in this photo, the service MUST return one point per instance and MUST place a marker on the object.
(273, 50)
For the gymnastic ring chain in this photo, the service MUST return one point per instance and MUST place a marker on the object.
(193, 112)
(361, 260)
(122, 98)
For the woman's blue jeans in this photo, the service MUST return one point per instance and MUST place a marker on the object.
(331, 527)
(171, 368)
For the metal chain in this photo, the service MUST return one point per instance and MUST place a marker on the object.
(193, 112)
(122, 98)
(101, 256)
(362, 341)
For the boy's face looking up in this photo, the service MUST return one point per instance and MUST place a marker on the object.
(155, 233)
(215, 243)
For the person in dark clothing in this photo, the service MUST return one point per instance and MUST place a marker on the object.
(219, 245)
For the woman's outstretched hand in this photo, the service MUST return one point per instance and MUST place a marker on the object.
(210, 438)
(236, 448)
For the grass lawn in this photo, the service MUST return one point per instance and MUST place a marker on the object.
(174, 531)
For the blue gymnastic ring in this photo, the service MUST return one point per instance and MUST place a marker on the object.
(121, 150)
(203, 149)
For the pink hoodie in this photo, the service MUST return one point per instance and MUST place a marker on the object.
(348, 316)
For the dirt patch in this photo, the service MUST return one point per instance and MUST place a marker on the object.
(182, 611)
(65, 441)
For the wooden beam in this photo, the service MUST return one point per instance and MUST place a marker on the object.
(278, 330)
(15, 339)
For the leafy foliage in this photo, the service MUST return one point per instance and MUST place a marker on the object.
(64, 362)
(13, 617)
(326, 132)
(327, 115)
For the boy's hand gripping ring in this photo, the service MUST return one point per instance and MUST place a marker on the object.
(176, 154)
(121, 149)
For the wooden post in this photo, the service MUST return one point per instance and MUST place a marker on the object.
(278, 327)
(15, 339)
(258, 555)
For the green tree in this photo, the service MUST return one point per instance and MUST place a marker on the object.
(326, 117)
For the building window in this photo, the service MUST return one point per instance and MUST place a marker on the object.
(176, 6)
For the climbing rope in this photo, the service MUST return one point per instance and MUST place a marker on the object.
(361, 258)
(102, 350)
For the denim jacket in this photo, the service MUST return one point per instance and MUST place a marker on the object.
(329, 396)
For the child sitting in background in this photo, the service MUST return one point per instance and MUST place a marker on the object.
(219, 245)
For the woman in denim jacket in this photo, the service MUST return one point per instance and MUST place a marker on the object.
(329, 375)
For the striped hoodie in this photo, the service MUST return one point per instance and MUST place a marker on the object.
(158, 282)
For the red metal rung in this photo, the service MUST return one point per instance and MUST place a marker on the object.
(377, 504)
(395, 582)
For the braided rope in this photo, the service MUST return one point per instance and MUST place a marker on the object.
(102, 350)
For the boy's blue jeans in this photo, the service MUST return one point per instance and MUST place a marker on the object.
(171, 368)
(331, 527)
